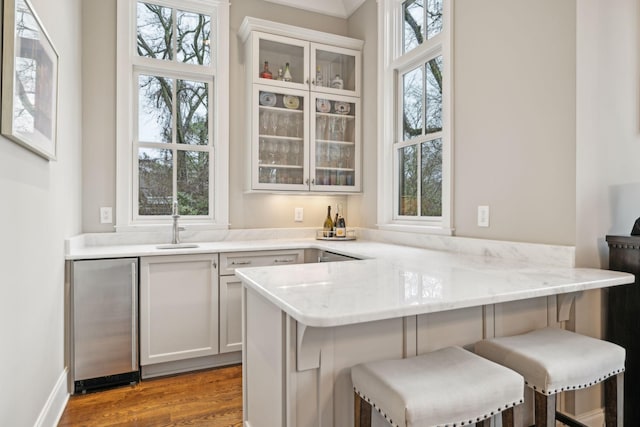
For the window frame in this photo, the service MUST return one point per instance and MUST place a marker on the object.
(129, 66)
(392, 65)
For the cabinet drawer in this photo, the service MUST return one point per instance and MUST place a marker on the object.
(232, 260)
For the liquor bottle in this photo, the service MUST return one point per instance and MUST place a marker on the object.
(335, 223)
(318, 77)
(280, 75)
(337, 83)
(287, 73)
(328, 224)
(341, 228)
(266, 74)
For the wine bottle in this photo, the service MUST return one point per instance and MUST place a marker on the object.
(328, 224)
(319, 77)
(287, 73)
(341, 227)
(266, 74)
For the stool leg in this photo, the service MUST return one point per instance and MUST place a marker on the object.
(614, 401)
(508, 417)
(362, 412)
(545, 410)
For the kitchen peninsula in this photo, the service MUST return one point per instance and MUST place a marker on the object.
(306, 325)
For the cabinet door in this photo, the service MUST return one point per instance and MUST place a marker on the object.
(335, 70)
(230, 314)
(335, 143)
(277, 51)
(279, 146)
(178, 307)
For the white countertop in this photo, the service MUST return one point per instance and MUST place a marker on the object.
(400, 281)
(391, 280)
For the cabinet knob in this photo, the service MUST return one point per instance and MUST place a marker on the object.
(313, 181)
(306, 181)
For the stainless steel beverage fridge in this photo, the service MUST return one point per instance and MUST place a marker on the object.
(104, 323)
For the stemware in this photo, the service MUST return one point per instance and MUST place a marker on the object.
(273, 119)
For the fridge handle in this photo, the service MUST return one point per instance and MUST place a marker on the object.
(134, 320)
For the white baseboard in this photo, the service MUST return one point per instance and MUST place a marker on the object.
(57, 401)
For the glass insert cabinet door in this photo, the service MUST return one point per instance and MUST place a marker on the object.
(335, 149)
(335, 70)
(280, 150)
(281, 61)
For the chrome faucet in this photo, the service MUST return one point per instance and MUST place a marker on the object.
(175, 239)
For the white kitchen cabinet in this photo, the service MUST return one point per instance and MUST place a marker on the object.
(178, 307)
(231, 289)
(304, 129)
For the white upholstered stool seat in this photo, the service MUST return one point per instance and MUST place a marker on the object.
(447, 387)
(554, 360)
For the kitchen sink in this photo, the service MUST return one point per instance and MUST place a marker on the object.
(177, 246)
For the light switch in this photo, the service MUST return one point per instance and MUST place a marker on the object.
(483, 216)
(106, 215)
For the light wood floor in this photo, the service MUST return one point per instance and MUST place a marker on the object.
(211, 398)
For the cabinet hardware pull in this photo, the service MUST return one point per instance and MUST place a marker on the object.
(313, 181)
(215, 264)
(240, 262)
(283, 260)
(306, 181)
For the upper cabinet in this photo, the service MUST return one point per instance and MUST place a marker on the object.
(303, 106)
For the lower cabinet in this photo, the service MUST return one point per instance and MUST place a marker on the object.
(230, 314)
(178, 307)
(231, 289)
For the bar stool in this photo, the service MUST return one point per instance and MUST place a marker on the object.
(447, 387)
(554, 360)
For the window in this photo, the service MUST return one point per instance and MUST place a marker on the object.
(415, 148)
(172, 130)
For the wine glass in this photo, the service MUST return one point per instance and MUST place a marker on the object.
(284, 152)
(274, 122)
(321, 127)
(296, 153)
(347, 156)
(285, 125)
(264, 122)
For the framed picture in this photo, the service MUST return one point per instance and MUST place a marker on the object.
(29, 80)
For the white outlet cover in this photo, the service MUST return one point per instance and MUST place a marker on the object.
(298, 214)
(106, 215)
(483, 216)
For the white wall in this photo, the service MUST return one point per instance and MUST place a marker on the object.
(608, 127)
(514, 131)
(39, 208)
(363, 208)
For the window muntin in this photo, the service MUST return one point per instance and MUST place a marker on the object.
(419, 168)
(174, 136)
(422, 20)
(419, 52)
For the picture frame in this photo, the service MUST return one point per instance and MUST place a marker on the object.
(29, 80)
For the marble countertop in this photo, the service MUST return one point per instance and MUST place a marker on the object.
(390, 279)
(398, 281)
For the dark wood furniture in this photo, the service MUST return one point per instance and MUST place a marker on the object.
(623, 319)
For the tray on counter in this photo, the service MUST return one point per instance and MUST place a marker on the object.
(328, 235)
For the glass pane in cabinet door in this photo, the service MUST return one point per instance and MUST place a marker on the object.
(335, 70)
(280, 138)
(281, 61)
(335, 134)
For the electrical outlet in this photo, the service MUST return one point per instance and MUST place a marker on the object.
(106, 215)
(483, 216)
(298, 214)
